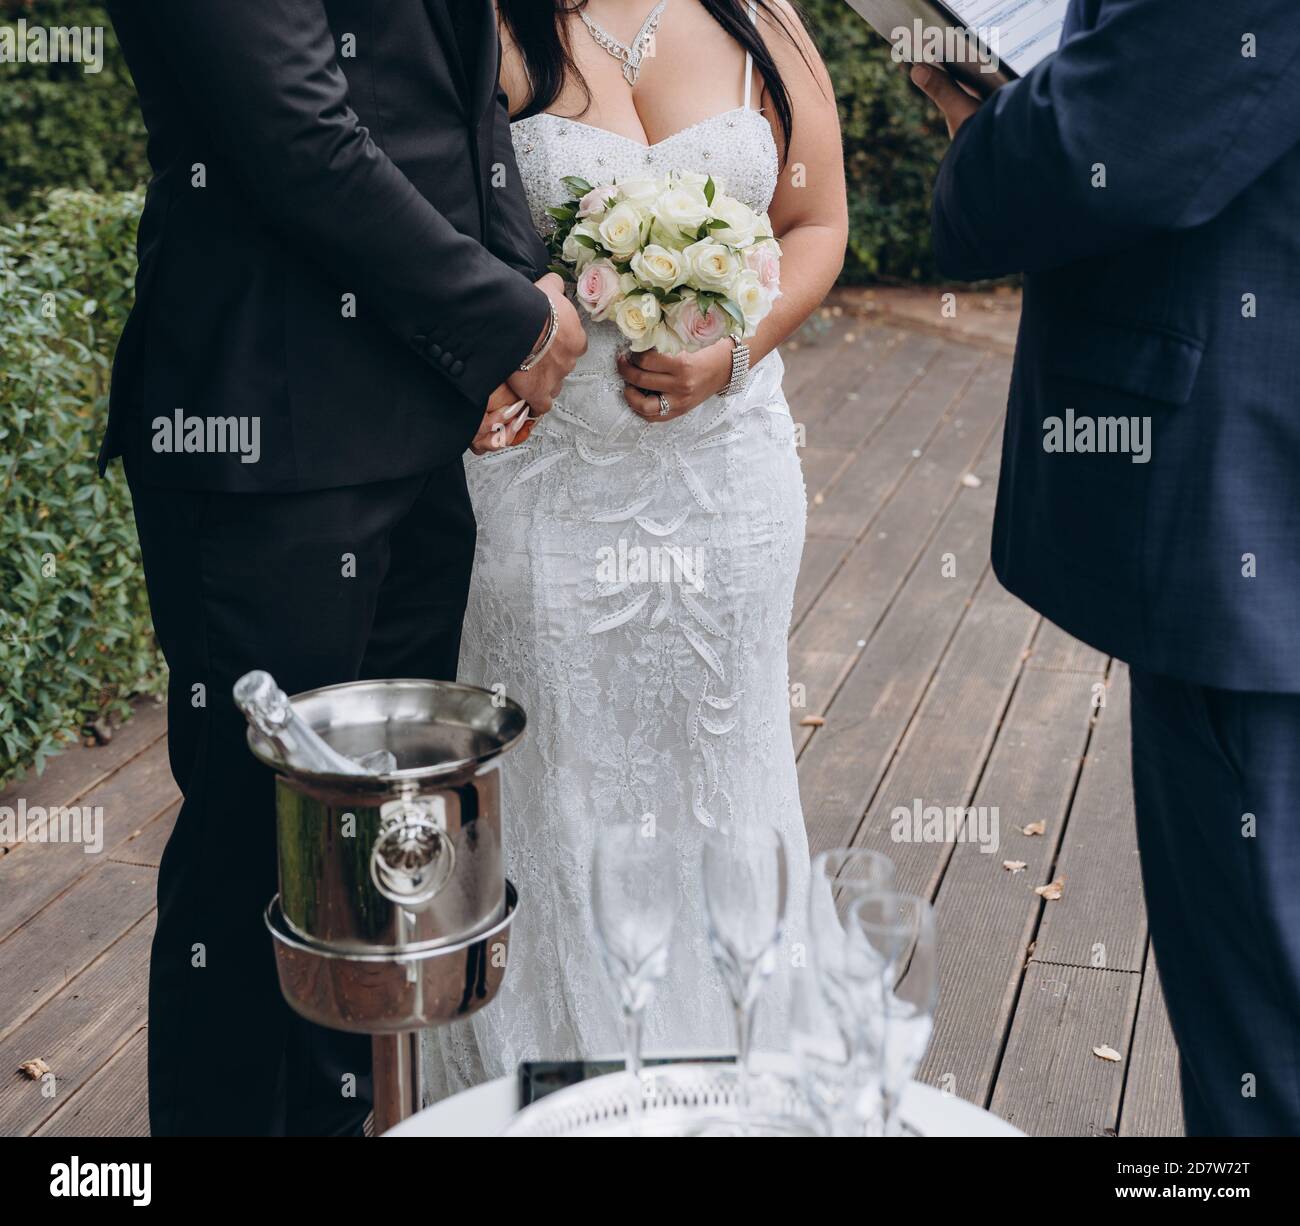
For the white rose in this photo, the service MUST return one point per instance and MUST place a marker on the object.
(620, 229)
(636, 317)
(576, 253)
(740, 219)
(711, 265)
(657, 266)
(638, 191)
(683, 207)
(752, 299)
(664, 340)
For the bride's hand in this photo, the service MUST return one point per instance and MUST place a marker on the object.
(686, 380)
(502, 420)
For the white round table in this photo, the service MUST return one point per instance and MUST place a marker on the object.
(486, 1110)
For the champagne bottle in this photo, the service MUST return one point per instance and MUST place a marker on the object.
(266, 707)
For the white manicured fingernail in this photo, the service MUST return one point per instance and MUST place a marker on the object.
(507, 414)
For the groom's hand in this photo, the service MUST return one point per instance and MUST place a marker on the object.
(540, 385)
(955, 103)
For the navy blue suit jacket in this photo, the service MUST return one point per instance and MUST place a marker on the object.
(1146, 179)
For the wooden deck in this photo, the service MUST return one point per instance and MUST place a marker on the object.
(934, 686)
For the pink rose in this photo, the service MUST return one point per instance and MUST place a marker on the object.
(598, 287)
(765, 260)
(594, 200)
(697, 329)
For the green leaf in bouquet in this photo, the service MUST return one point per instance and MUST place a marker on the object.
(577, 185)
(562, 270)
(715, 223)
(733, 310)
(585, 240)
(710, 190)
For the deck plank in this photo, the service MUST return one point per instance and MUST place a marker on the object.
(844, 761)
(1153, 1096)
(986, 915)
(1050, 1083)
(34, 874)
(77, 1031)
(61, 940)
(1100, 919)
(76, 770)
(114, 1103)
(826, 645)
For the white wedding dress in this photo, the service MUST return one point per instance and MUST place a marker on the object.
(644, 694)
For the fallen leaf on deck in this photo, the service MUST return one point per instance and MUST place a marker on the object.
(971, 481)
(1106, 1053)
(34, 1069)
(1033, 828)
(811, 721)
(1051, 892)
(1014, 866)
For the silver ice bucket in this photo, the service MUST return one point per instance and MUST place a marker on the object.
(405, 861)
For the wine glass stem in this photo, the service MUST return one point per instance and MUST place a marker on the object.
(632, 1041)
(744, 1035)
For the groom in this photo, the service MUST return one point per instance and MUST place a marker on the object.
(1146, 178)
(337, 270)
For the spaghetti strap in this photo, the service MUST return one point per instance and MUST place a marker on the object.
(749, 56)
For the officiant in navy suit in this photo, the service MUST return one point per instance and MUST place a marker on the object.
(1146, 179)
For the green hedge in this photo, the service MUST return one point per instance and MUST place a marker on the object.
(75, 637)
(61, 126)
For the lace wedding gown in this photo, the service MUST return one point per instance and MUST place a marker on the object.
(664, 695)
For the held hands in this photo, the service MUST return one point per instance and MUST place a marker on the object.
(503, 422)
(540, 385)
(685, 380)
(955, 103)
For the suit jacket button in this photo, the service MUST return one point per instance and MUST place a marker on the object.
(457, 368)
(435, 350)
(446, 360)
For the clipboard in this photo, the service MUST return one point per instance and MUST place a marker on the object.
(985, 44)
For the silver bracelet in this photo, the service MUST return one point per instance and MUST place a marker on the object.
(739, 369)
(552, 329)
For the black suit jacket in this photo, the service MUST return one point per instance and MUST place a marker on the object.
(1147, 179)
(335, 243)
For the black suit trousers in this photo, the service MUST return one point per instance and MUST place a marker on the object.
(317, 588)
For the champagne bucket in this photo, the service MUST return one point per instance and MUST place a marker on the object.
(403, 862)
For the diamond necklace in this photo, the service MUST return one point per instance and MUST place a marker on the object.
(630, 55)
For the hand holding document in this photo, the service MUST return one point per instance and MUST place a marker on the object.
(984, 43)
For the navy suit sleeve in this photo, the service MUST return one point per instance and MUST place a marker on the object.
(1162, 98)
(265, 80)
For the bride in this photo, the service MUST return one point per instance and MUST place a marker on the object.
(662, 691)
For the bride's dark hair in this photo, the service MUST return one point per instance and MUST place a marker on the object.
(540, 32)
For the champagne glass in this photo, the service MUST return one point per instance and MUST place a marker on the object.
(892, 944)
(745, 885)
(634, 902)
(831, 1010)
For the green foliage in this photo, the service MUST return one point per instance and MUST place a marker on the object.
(894, 140)
(61, 126)
(75, 636)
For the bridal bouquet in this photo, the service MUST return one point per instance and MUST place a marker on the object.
(675, 262)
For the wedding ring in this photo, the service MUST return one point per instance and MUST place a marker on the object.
(664, 407)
